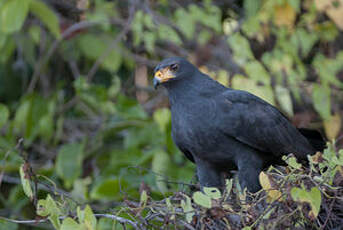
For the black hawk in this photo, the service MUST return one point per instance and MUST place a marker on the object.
(221, 129)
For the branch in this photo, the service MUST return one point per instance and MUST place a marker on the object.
(119, 219)
(109, 216)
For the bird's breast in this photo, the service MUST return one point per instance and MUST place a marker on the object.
(194, 129)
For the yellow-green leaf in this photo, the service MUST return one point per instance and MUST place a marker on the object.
(41, 208)
(284, 97)
(292, 161)
(160, 165)
(332, 126)
(25, 181)
(212, 192)
(46, 15)
(284, 15)
(272, 194)
(89, 218)
(312, 197)
(68, 162)
(143, 198)
(321, 100)
(187, 208)
(70, 224)
(202, 200)
(107, 189)
(13, 14)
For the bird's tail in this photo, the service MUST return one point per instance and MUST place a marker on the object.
(315, 138)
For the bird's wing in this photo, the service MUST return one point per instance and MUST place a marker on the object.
(258, 124)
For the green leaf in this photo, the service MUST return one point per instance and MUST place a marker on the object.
(4, 114)
(251, 7)
(42, 209)
(93, 46)
(284, 97)
(23, 119)
(25, 181)
(212, 192)
(167, 33)
(202, 199)
(48, 207)
(185, 22)
(143, 198)
(70, 224)
(321, 100)
(292, 161)
(304, 41)
(241, 48)
(87, 218)
(327, 68)
(68, 162)
(108, 189)
(160, 165)
(149, 39)
(242, 83)
(107, 224)
(46, 127)
(8, 225)
(256, 71)
(13, 14)
(7, 50)
(46, 15)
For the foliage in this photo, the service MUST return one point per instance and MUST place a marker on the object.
(291, 196)
(74, 86)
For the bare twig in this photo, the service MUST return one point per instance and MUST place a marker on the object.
(119, 219)
(113, 217)
(24, 221)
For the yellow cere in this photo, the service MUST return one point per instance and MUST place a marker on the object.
(164, 74)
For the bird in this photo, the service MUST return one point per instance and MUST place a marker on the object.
(221, 129)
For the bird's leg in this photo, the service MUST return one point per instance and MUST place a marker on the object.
(248, 172)
(209, 175)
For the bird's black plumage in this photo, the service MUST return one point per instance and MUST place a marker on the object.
(221, 129)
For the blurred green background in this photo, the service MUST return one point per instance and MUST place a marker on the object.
(75, 84)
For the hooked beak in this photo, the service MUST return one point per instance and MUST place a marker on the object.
(162, 75)
(156, 82)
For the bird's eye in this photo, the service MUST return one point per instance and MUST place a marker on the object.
(174, 67)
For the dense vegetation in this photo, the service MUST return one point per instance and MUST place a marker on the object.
(80, 123)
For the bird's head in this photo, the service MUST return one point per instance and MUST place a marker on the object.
(172, 69)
